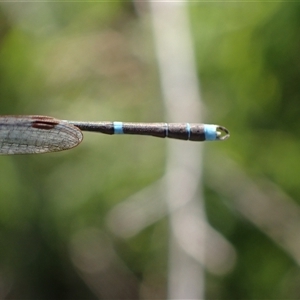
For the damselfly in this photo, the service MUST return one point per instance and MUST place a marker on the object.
(40, 134)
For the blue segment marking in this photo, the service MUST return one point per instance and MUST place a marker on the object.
(188, 129)
(118, 128)
(210, 132)
(167, 129)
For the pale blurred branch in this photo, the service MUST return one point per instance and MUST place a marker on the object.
(261, 202)
(100, 267)
(179, 84)
(146, 207)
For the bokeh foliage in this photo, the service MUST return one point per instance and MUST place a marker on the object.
(95, 61)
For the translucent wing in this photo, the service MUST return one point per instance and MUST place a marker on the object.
(36, 134)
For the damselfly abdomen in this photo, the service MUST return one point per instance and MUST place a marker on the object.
(40, 134)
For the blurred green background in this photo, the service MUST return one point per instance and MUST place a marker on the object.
(96, 61)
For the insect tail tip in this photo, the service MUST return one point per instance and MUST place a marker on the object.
(222, 133)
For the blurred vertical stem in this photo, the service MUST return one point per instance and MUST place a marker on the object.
(184, 199)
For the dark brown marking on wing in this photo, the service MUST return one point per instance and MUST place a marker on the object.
(42, 122)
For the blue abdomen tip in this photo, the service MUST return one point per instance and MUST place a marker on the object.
(210, 132)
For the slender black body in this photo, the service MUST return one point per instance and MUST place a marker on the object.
(181, 131)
